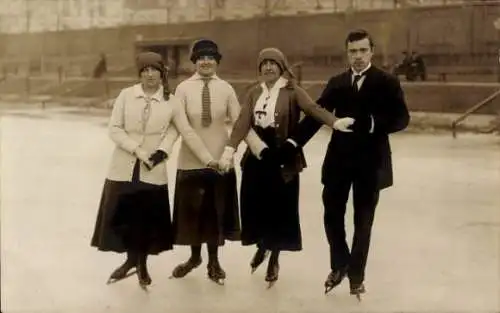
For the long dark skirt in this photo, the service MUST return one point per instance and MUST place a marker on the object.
(269, 208)
(269, 205)
(205, 207)
(133, 216)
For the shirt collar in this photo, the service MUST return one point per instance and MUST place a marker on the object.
(197, 76)
(139, 92)
(362, 72)
(280, 83)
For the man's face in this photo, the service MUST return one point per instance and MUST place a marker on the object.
(206, 65)
(359, 54)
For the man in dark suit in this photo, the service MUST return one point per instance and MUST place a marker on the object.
(369, 105)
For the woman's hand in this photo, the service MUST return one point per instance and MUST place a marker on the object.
(143, 155)
(214, 165)
(226, 161)
(157, 157)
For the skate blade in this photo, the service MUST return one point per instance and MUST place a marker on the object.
(328, 289)
(144, 287)
(270, 284)
(177, 277)
(113, 281)
(253, 270)
(219, 282)
(358, 296)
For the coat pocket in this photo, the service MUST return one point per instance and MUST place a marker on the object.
(121, 165)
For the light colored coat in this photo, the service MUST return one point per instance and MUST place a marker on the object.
(224, 104)
(128, 131)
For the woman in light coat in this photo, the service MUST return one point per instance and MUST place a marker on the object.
(134, 211)
(269, 196)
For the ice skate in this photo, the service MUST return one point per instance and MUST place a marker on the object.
(358, 290)
(121, 272)
(185, 268)
(272, 275)
(215, 273)
(259, 257)
(334, 279)
(143, 275)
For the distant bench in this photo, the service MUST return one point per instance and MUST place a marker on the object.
(442, 73)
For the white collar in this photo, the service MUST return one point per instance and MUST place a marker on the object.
(139, 92)
(280, 83)
(197, 76)
(363, 71)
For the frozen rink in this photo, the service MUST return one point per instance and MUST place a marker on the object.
(435, 243)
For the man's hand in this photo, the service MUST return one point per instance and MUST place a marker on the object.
(157, 157)
(142, 155)
(343, 124)
(362, 124)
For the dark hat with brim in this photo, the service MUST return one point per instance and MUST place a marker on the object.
(205, 47)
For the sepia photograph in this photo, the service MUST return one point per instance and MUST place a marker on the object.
(274, 156)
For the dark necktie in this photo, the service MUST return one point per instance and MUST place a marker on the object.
(355, 82)
(206, 114)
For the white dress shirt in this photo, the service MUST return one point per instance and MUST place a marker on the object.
(360, 84)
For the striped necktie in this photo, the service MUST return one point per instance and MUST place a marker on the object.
(206, 114)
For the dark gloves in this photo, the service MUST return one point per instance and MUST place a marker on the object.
(287, 152)
(269, 156)
(362, 124)
(157, 157)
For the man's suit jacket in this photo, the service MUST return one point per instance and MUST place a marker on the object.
(380, 97)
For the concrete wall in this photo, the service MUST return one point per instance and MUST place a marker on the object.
(461, 35)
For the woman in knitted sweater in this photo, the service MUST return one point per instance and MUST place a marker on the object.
(206, 203)
(270, 182)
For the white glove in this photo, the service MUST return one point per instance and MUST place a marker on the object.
(143, 155)
(226, 161)
(342, 124)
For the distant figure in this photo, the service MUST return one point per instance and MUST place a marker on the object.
(401, 67)
(412, 67)
(101, 68)
(418, 62)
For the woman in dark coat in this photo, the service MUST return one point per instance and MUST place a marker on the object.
(270, 191)
(134, 211)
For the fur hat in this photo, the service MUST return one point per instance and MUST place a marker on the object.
(274, 54)
(145, 59)
(205, 47)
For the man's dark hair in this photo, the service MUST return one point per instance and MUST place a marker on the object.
(359, 34)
